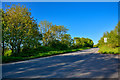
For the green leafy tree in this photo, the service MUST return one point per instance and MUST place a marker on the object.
(66, 39)
(45, 31)
(112, 38)
(83, 42)
(20, 27)
(50, 32)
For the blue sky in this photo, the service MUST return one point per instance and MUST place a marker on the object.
(60, 0)
(83, 19)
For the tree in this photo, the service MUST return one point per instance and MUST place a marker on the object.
(45, 31)
(83, 42)
(112, 38)
(51, 32)
(77, 42)
(66, 39)
(4, 31)
(20, 27)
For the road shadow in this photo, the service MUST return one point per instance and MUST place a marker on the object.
(66, 66)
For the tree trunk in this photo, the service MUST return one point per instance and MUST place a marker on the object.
(12, 49)
(11, 46)
(3, 48)
(18, 48)
(3, 45)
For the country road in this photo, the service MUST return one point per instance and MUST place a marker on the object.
(81, 64)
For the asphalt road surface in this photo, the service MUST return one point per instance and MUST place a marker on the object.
(81, 64)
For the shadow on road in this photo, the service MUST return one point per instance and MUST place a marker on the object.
(66, 66)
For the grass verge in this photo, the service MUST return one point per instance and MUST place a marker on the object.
(8, 59)
(108, 50)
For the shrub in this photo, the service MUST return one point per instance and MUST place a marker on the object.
(109, 50)
(58, 45)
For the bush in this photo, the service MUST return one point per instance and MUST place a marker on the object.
(36, 54)
(27, 52)
(109, 50)
(44, 49)
(8, 53)
(58, 45)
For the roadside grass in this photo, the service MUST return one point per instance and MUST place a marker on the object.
(108, 50)
(35, 53)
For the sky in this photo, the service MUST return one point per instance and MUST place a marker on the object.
(60, 0)
(83, 19)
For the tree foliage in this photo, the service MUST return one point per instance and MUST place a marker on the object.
(21, 33)
(83, 42)
(19, 28)
(112, 38)
(50, 32)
